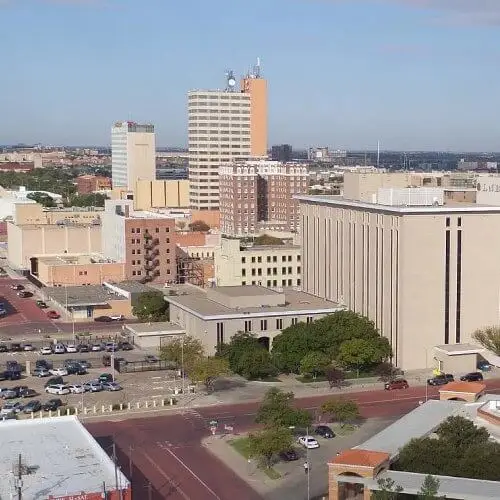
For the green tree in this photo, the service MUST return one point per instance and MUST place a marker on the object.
(429, 488)
(461, 433)
(208, 370)
(334, 376)
(386, 371)
(314, 363)
(42, 198)
(151, 306)
(199, 225)
(256, 364)
(277, 410)
(88, 200)
(185, 351)
(388, 490)
(363, 353)
(341, 410)
(267, 443)
(489, 338)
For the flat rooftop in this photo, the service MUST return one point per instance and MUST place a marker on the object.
(61, 455)
(130, 286)
(65, 260)
(340, 201)
(457, 349)
(195, 301)
(81, 296)
(160, 328)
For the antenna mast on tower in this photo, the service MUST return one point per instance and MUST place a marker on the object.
(256, 69)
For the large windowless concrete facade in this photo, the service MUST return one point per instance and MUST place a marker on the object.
(427, 275)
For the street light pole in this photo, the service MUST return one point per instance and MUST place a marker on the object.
(426, 384)
(308, 468)
(182, 363)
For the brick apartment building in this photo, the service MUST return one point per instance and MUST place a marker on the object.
(257, 195)
(143, 240)
(86, 184)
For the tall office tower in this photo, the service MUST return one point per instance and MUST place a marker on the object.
(133, 153)
(260, 195)
(224, 125)
(283, 152)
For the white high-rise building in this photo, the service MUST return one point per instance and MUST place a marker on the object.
(133, 152)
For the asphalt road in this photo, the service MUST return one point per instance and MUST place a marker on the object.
(167, 460)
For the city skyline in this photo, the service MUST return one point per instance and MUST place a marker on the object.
(416, 75)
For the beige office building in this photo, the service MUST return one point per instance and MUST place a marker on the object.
(224, 125)
(161, 194)
(272, 266)
(426, 275)
(133, 153)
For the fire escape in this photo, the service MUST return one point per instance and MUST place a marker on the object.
(151, 261)
(189, 269)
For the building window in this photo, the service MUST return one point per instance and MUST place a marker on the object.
(275, 258)
(139, 273)
(447, 289)
(253, 272)
(309, 319)
(263, 325)
(168, 271)
(167, 240)
(298, 258)
(168, 261)
(133, 273)
(243, 260)
(275, 282)
(298, 270)
(290, 282)
(133, 252)
(268, 283)
(243, 272)
(157, 229)
(133, 230)
(447, 222)
(138, 252)
(289, 258)
(298, 282)
(138, 230)
(283, 258)
(253, 282)
(259, 272)
(283, 270)
(458, 316)
(294, 321)
(253, 260)
(460, 222)
(259, 259)
(167, 230)
(275, 271)
(268, 258)
(248, 326)
(283, 282)
(220, 334)
(279, 324)
(243, 283)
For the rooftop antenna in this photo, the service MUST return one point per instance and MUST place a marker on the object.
(230, 81)
(256, 69)
(378, 154)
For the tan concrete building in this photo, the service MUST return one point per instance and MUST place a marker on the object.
(260, 194)
(161, 194)
(274, 266)
(76, 270)
(215, 314)
(133, 153)
(223, 126)
(29, 241)
(426, 275)
(34, 213)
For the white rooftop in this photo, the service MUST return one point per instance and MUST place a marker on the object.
(62, 456)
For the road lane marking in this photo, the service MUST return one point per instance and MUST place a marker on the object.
(212, 492)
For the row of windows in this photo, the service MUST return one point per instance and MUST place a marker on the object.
(273, 271)
(137, 230)
(139, 273)
(284, 258)
(264, 323)
(273, 283)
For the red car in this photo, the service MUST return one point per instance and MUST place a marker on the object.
(53, 315)
(399, 383)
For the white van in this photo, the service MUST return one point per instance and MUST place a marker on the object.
(59, 389)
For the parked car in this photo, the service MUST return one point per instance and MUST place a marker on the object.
(29, 393)
(59, 389)
(308, 442)
(126, 346)
(398, 383)
(8, 394)
(11, 375)
(86, 364)
(28, 347)
(96, 347)
(17, 287)
(111, 347)
(472, 377)
(41, 304)
(3, 311)
(83, 348)
(59, 349)
(24, 294)
(14, 366)
(52, 404)
(111, 386)
(103, 319)
(41, 372)
(53, 314)
(324, 431)
(54, 381)
(484, 366)
(32, 406)
(46, 350)
(58, 372)
(4, 348)
(11, 407)
(16, 347)
(289, 455)
(149, 358)
(71, 348)
(105, 377)
(117, 317)
(76, 388)
(93, 386)
(43, 363)
(76, 369)
(443, 379)
(20, 390)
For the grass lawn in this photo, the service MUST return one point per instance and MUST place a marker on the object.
(343, 431)
(242, 447)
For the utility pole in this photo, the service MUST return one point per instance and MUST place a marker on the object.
(182, 363)
(19, 481)
(308, 468)
(150, 491)
(116, 468)
(130, 467)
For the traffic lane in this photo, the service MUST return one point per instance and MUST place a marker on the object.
(177, 470)
(23, 309)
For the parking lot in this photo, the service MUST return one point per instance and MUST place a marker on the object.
(136, 387)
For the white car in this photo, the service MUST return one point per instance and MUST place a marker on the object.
(96, 347)
(117, 317)
(308, 442)
(28, 347)
(76, 388)
(59, 349)
(58, 372)
(71, 348)
(59, 389)
(45, 350)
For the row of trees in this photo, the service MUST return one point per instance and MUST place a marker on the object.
(342, 340)
(74, 200)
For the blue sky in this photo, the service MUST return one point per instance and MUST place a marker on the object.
(414, 74)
